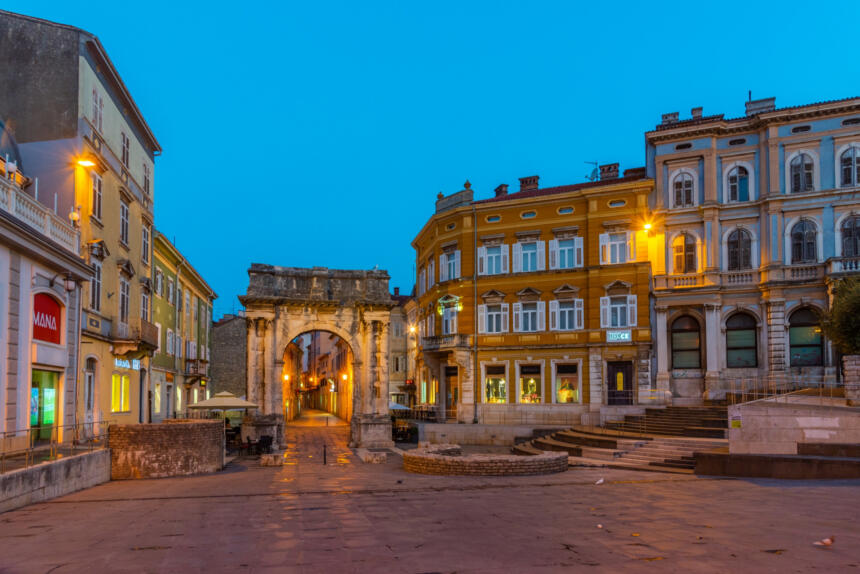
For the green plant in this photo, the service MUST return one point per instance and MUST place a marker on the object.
(842, 323)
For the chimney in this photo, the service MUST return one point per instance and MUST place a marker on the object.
(502, 190)
(397, 291)
(696, 113)
(755, 107)
(670, 118)
(609, 171)
(530, 182)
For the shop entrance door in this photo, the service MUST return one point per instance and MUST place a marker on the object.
(43, 404)
(452, 392)
(619, 383)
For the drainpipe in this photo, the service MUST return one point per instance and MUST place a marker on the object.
(476, 384)
(176, 359)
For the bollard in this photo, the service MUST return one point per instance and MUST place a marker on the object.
(324, 453)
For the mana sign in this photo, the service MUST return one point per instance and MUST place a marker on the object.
(46, 318)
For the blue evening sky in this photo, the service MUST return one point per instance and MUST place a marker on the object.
(319, 133)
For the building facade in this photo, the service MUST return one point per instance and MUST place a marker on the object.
(182, 312)
(533, 306)
(757, 216)
(400, 390)
(227, 366)
(82, 135)
(40, 296)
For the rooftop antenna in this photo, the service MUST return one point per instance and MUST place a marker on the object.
(595, 173)
(749, 95)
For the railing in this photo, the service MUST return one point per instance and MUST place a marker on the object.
(145, 333)
(845, 265)
(754, 389)
(148, 333)
(26, 447)
(679, 281)
(803, 272)
(197, 367)
(445, 342)
(740, 277)
(15, 201)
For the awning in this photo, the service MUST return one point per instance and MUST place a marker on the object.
(224, 401)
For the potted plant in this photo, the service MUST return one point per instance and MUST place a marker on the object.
(842, 326)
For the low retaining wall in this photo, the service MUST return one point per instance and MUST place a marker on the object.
(51, 479)
(776, 466)
(480, 434)
(446, 459)
(176, 448)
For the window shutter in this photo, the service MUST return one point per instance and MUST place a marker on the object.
(505, 258)
(518, 309)
(456, 265)
(518, 257)
(431, 273)
(631, 310)
(541, 255)
(158, 327)
(482, 319)
(454, 321)
(604, 312)
(578, 255)
(553, 315)
(631, 246)
(541, 309)
(482, 260)
(443, 268)
(505, 317)
(604, 248)
(553, 253)
(578, 314)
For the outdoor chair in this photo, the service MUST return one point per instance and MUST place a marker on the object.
(264, 445)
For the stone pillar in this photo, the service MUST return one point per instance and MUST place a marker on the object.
(662, 344)
(596, 385)
(776, 363)
(851, 380)
(255, 367)
(381, 377)
(713, 386)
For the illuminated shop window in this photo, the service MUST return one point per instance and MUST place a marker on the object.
(530, 384)
(495, 385)
(567, 383)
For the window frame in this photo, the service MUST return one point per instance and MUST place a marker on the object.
(676, 351)
(125, 143)
(679, 182)
(734, 188)
(802, 170)
(144, 243)
(740, 250)
(96, 286)
(801, 245)
(97, 195)
(123, 221)
(805, 324)
(753, 348)
(688, 251)
(124, 300)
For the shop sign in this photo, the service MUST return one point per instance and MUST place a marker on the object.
(121, 363)
(46, 318)
(624, 336)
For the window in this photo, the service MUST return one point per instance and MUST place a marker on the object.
(158, 328)
(170, 346)
(144, 240)
(123, 222)
(144, 305)
(147, 178)
(89, 384)
(98, 110)
(421, 285)
(120, 393)
(96, 287)
(97, 195)
(493, 218)
(566, 253)
(739, 250)
(179, 298)
(125, 149)
(530, 384)
(849, 163)
(683, 190)
(493, 318)
(159, 283)
(851, 237)
(741, 341)
(684, 250)
(802, 169)
(177, 340)
(170, 291)
(566, 315)
(187, 303)
(617, 247)
(495, 385)
(431, 272)
(739, 184)
(493, 260)
(528, 214)
(528, 256)
(156, 399)
(449, 321)
(529, 317)
(804, 339)
(123, 300)
(617, 203)
(685, 343)
(618, 311)
(739, 141)
(449, 266)
(567, 383)
(803, 249)
(178, 399)
(564, 210)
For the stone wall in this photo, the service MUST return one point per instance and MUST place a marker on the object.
(229, 356)
(176, 447)
(851, 372)
(445, 459)
(481, 434)
(49, 480)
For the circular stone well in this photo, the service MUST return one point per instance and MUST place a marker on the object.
(448, 459)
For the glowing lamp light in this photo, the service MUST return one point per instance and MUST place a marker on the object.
(412, 329)
(84, 162)
(286, 377)
(647, 227)
(343, 376)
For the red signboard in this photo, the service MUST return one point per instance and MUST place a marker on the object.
(46, 318)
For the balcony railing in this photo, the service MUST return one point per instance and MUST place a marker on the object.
(845, 265)
(196, 367)
(15, 201)
(446, 342)
(803, 272)
(740, 278)
(146, 333)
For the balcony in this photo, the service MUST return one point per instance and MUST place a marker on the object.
(679, 281)
(844, 265)
(133, 339)
(196, 368)
(740, 278)
(15, 201)
(446, 342)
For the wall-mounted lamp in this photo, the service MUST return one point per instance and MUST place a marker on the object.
(84, 162)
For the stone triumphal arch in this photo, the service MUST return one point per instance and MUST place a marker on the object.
(284, 302)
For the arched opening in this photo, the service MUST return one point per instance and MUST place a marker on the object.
(741, 341)
(317, 375)
(804, 338)
(686, 343)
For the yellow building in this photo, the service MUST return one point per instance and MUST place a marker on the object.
(533, 307)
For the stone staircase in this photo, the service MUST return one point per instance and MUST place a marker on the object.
(704, 422)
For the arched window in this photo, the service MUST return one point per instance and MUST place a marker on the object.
(801, 173)
(849, 162)
(803, 242)
(739, 184)
(686, 344)
(89, 383)
(684, 249)
(741, 341)
(683, 186)
(804, 339)
(739, 250)
(851, 237)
